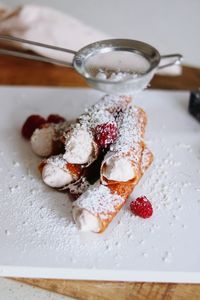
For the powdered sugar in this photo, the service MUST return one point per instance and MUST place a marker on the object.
(99, 201)
(104, 111)
(57, 160)
(114, 104)
(131, 131)
(95, 116)
(115, 76)
(79, 140)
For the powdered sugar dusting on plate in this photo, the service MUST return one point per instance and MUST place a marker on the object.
(42, 232)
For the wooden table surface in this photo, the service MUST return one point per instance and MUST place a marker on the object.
(15, 71)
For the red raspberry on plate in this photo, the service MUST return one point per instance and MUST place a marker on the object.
(32, 122)
(106, 134)
(55, 119)
(142, 207)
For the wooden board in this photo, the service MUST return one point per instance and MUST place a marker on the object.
(17, 71)
(20, 72)
(94, 290)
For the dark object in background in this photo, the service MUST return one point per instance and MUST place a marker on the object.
(194, 104)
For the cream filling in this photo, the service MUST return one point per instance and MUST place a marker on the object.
(55, 177)
(84, 220)
(41, 141)
(118, 169)
(79, 146)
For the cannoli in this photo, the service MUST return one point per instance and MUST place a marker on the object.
(96, 208)
(81, 146)
(57, 173)
(47, 140)
(122, 162)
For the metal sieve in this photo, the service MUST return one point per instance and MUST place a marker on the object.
(115, 66)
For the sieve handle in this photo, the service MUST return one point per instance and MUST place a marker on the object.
(170, 60)
(34, 56)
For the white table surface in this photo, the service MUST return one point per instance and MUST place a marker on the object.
(178, 31)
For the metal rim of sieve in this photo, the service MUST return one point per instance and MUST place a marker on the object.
(105, 46)
(80, 59)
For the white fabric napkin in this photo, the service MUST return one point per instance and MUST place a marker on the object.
(49, 26)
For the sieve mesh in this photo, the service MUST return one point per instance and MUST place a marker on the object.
(124, 63)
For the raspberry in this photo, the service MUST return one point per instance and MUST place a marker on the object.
(142, 207)
(55, 119)
(33, 122)
(106, 134)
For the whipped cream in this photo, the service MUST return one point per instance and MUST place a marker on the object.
(84, 220)
(41, 141)
(78, 146)
(118, 169)
(55, 177)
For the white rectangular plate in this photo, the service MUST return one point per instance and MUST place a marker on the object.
(37, 235)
